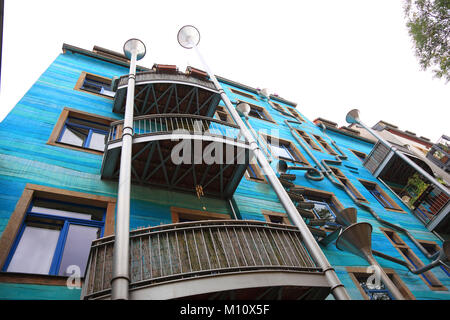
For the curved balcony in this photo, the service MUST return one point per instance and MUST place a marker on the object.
(177, 92)
(181, 152)
(220, 259)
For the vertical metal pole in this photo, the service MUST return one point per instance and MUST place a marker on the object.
(337, 288)
(120, 274)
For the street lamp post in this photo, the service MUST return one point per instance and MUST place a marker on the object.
(134, 50)
(189, 37)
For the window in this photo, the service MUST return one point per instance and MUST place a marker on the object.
(428, 277)
(361, 155)
(81, 131)
(377, 291)
(348, 185)
(326, 206)
(325, 145)
(295, 114)
(52, 229)
(259, 113)
(381, 196)
(308, 140)
(432, 248)
(285, 150)
(276, 217)
(222, 114)
(95, 84)
(187, 215)
(323, 209)
(254, 173)
(244, 94)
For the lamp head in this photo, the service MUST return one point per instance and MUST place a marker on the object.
(243, 109)
(188, 37)
(134, 45)
(352, 116)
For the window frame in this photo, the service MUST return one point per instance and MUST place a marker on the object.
(299, 158)
(243, 94)
(258, 177)
(16, 220)
(410, 257)
(346, 182)
(394, 207)
(223, 110)
(325, 145)
(359, 154)
(85, 75)
(309, 140)
(295, 114)
(197, 215)
(62, 238)
(259, 109)
(395, 278)
(59, 128)
(268, 213)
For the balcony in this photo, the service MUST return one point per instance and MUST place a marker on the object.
(439, 153)
(168, 92)
(153, 153)
(222, 259)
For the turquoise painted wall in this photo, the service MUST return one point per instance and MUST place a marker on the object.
(26, 158)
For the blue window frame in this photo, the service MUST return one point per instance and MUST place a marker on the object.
(84, 134)
(376, 293)
(53, 236)
(252, 173)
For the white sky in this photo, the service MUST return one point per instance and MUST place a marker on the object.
(327, 56)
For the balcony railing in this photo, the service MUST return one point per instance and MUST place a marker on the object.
(177, 124)
(205, 248)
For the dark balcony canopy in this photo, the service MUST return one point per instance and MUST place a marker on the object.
(155, 140)
(170, 92)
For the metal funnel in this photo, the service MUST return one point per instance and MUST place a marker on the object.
(352, 116)
(356, 239)
(347, 216)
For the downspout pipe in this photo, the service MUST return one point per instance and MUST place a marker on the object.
(441, 259)
(134, 49)
(337, 288)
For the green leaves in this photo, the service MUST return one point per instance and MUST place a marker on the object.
(428, 23)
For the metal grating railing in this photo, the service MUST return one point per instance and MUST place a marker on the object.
(177, 124)
(190, 249)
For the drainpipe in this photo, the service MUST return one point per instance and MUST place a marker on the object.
(189, 37)
(134, 49)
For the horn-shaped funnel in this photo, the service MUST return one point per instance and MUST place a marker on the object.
(282, 166)
(356, 239)
(352, 116)
(347, 217)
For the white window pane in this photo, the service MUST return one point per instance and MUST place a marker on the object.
(107, 92)
(97, 141)
(72, 137)
(281, 152)
(76, 249)
(61, 213)
(35, 251)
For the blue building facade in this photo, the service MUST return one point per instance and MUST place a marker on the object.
(53, 163)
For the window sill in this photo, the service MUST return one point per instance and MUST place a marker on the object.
(395, 210)
(63, 145)
(29, 278)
